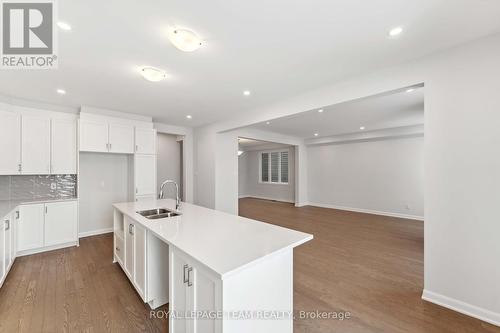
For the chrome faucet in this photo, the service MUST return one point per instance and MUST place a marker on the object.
(177, 199)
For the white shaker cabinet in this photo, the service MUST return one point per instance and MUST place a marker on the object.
(93, 136)
(10, 143)
(63, 146)
(60, 222)
(145, 175)
(135, 255)
(35, 145)
(7, 245)
(145, 141)
(3, 271)
(121, 139)
(30, 227)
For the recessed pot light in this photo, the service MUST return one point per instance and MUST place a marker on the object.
(61, 91)
(247, 93)
(240, 152)
(268, 123)
(185, 40)
(410, 90)
(320, 110)
(362, 128)
(64, 26)
(189, 116)
(153, 74)
(316, 134)
(395, 31)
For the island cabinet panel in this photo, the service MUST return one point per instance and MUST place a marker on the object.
(193, 290)
(129, 248)
(140, 259)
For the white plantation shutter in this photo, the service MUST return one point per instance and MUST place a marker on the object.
(275, 160)
(284, 167)
(264, 167)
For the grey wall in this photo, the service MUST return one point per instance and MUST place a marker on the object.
(381, 176)
(248, 179)
(104, 180)
(169, 162)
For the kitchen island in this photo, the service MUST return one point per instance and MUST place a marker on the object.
(224, 273)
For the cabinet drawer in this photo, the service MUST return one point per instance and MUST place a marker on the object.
(119, 249)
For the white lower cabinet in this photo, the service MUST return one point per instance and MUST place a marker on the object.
(7, 245)
(144, 258)
(46, 226)
(193, 290)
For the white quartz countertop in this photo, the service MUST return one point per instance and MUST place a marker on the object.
(225, 243)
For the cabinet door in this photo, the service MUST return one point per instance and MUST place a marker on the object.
(202, 293)
(2, 251)
(140, 259)
(10, 143)
(178, 291)
(13, 235)
(145, 174)
(30, 227)
(129, 248)
(121, 139)
(145, 141)
(60, 222)
(8, 241)
(93, 136)
(63, 139)
(35, 145)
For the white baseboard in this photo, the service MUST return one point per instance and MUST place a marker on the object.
(45, 249)
(95, 232)
(367, 211)
(265, 198)
(462, 307)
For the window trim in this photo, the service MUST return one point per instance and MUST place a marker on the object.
(269, 182)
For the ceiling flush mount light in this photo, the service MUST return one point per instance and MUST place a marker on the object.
(64, 26)
(320, 110)
(189, 116)
(153, 74)
(362, 128)
(247, 93)
(185, 40)
(61, 91)
(395, 32)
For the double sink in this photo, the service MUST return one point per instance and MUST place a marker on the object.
(158, 213)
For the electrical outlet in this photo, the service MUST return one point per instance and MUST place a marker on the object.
(53, 186)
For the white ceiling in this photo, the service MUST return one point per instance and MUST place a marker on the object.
(251, 144)
(394, 109)
(276, 49)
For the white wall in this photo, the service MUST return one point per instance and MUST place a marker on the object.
(462, 168)
(103, 180)
(168, 157)
(249, 185)
(377, 176)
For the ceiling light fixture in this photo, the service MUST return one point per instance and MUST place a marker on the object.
(61, 91)
(240, 152)
(316, 134)
(64, 25)
(189, 116)
(185, 40)
(247, 93)
(153, 74)
(320, 110)
(395, 31)
(362, 128)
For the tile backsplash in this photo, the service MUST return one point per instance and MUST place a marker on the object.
(38, 187)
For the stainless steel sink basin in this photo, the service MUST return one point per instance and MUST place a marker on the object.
(159, 213)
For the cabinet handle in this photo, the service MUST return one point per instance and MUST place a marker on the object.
(131, 229)
(117, 248)
(17, 215)
(20, 167)
(190, 269)
(136, 147)
(184, 277)
(110, 146)
(7, 225)
(45, 209)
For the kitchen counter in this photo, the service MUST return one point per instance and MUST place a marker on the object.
(6, 206)
(223, 242)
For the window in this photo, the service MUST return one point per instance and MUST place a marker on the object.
(274, 167)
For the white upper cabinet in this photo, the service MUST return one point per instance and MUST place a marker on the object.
(145, 175)
(145, 140)
(35, 145)
(10, 143)
(63, 138)
(121, 138)
(93, 136)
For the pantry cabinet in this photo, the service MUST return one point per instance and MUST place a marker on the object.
(10, 143)
(145, 141)
(145, 175)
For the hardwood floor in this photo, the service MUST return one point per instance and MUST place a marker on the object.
(368, 265)
(73, 290)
